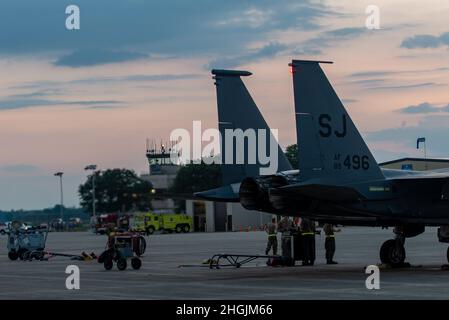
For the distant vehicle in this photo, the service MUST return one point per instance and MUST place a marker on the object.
(105, 221)
(3, 228)
(74, 223)
(26, 227)
(151, 222)
(145, 222)
(57, 224)
(176, 222)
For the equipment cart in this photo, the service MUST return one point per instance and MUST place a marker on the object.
(26, 244)
(121, 247)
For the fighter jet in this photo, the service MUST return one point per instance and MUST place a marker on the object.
(339, 181)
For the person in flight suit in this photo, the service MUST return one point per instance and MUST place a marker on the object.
(308, 237)
(329, 243)
(272, 241)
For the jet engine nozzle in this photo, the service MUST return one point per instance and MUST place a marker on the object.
(252, 194)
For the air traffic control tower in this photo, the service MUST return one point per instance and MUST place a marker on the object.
(163, 166)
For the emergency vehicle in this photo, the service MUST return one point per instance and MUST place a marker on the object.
(151, 222)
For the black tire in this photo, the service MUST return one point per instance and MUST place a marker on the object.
(140, 249)
(178, 228)
(150, 230)
(22, 253)
(186, 228)
(121, 264)
(2, 232)
(392, 253)
(108, 264)
(136, 263)
(12, 255)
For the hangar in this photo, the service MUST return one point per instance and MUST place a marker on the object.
(418, 164)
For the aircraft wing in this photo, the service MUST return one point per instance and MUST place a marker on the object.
(324, 192)
(228, 193)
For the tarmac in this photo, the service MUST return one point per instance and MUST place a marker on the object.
(161, 277)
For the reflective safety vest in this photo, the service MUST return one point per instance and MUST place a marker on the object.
(308, 233)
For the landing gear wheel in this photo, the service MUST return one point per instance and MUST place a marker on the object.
(136, 263)
(392, 252)
(121, 264)
(108, 264)
(12, 255)
(178, 229)
(186, 229)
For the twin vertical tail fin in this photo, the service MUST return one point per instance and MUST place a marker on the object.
(331, 149)
(237, 110)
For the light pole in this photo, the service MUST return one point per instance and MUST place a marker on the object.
(59, 174)
(92, 167)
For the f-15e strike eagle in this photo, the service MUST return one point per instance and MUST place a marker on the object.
(338, 180)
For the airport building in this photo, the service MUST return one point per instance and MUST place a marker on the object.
(418, 164)
(208, 216)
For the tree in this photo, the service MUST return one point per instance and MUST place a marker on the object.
(116, 190)
(292, 155)
(193, 178)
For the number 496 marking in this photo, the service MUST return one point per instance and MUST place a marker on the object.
(356, 162)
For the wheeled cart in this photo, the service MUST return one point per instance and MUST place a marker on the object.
(26, 244)
(120, 248)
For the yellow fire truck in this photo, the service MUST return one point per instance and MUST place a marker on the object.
(151, 222)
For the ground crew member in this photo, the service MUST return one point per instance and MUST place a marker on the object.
(272, 237)
(329, 243)
(308, 238)
(285, 226)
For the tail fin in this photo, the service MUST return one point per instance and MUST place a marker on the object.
(237, 110)
(330, 146)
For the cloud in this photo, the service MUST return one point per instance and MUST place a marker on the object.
(433, 127)
(384, 73)
(408, 86)
(268, 51)
(423, 108)
(97, 57)
(348, 101)
(13, 103)
(426, 41)
(138, 78)
(19, 168)
(315, 45)
(118, 31)
(364, 74)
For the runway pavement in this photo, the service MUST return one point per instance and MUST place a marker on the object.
(161, 277)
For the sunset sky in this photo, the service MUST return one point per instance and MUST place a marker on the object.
(138, 69)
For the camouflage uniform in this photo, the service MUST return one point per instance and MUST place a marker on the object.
(272, 239)
(329, 243)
